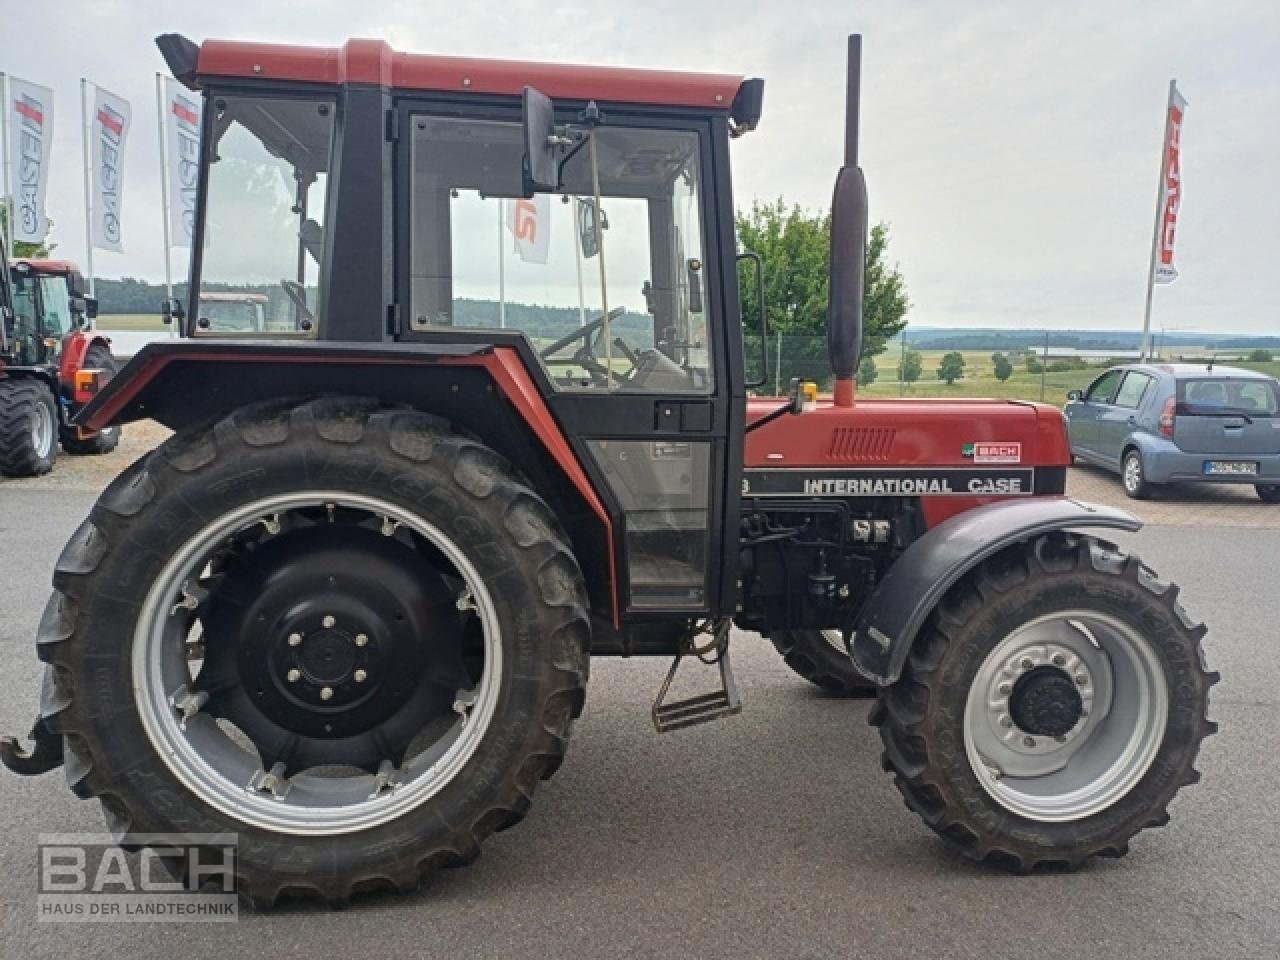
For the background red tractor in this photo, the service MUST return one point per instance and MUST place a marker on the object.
(499, 426)
(52, 362)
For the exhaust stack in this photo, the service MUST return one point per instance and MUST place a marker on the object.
(848, 245)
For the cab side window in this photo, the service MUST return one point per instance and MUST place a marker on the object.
(57, 306)
(1104, 388)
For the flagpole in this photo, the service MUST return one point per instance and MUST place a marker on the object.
(7, 196)
(502, 267)
(163, 141)
(1155, 230)
(87, 132)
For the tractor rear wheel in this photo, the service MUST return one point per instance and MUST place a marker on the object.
(821, 658)
(344, 633)
(104, 441)
(28, 428)
(1051, 708)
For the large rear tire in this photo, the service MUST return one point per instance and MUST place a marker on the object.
(346, 634)
(1052, 707)
(820, 657)
(28, 428)
(104, 441)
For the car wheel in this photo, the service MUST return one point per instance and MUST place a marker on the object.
(1134, 477)
(1268, 492)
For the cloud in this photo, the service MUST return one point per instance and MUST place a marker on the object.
(1013, 147)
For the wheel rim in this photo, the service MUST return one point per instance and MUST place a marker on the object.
(194, 728)
(1052, 756)
(42, 430)
(1132, 473)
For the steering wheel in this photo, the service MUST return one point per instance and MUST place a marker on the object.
(298, 296)
(584, 356)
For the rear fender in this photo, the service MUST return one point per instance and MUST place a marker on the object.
(74, 347)
(185, 382)
(918, 580)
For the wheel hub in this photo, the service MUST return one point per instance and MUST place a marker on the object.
(1045, 702)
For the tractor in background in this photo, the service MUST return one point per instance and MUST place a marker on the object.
(52, 363)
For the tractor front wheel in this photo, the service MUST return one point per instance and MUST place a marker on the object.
(346, 634)
(28, 428)
(1051, 708)
(104, 441)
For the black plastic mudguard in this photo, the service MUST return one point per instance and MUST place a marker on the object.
(904, 598)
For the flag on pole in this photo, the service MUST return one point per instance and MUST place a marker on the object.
(1171, 196)
(182, 143)
(108, 131)
(29, 122)
(530, 223)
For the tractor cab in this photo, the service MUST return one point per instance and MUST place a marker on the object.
(49, 305)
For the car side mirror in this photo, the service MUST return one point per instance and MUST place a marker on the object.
(171, 310)
(537, 118)
(1075, 396)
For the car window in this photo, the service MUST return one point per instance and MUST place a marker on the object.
(1132, 390)
(1210, 396)
(1104, 388)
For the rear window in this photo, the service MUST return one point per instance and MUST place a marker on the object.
(1208, 396)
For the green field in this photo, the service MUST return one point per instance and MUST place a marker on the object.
(979, 379)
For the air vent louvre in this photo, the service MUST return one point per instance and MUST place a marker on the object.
(861, 444)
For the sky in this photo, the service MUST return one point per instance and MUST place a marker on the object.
(1013, 148)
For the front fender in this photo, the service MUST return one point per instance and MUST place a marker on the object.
(917, 581)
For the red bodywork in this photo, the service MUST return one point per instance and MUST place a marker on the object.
(904, 434)
(374, 62)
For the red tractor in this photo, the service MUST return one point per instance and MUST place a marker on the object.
(501, 425)
(52, 362)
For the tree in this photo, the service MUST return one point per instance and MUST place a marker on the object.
(1261, 356)
(867, 372)
(1004, 369)
(34, 251)
(951, 368)
(795, 246)
(912, 366)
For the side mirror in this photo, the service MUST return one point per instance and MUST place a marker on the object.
(537, 116)
(1075, 396)
(171, 310)
(761, 331)
(91, 308)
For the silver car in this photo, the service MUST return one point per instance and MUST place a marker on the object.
(1180, 422)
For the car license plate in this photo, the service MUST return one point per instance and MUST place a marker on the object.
(1231, 467)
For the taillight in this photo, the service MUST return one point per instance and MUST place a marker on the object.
(1168, 417)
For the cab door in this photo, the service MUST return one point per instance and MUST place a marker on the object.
(620, 314)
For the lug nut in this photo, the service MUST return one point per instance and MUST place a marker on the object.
(1005, 689)
(1082, 680)
(360, 676)
(1059, 660)
(361, 639)
(326, 693)
(295, 639)
(294, 675)
(328, 622)
(1027, 663)
(1061, 738)
(1029, 741)
(1006, 721)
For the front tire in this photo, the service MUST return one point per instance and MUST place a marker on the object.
(1268, 492)
(28, 428)
(106, 440)
(819, 656)
(394, 626)
(1052, 707)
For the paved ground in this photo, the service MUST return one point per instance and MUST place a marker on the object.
(772, 834)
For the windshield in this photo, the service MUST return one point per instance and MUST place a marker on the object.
(264, 213)
(1221, 396)
(483, 257)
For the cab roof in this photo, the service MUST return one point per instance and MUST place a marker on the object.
(362, 61)
(59, 268)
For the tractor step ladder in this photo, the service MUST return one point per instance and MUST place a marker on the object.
(724, 702)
